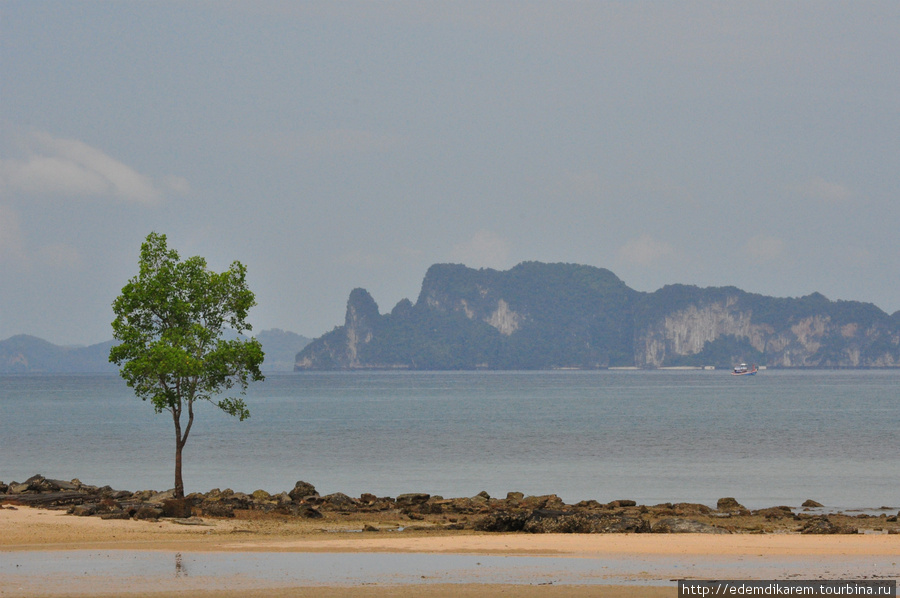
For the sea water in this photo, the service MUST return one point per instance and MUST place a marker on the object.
(776, 438)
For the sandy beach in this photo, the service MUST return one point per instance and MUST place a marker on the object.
(635, 564)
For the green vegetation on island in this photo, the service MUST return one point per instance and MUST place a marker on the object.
(545, 316)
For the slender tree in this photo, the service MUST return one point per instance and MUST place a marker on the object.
(170, 321)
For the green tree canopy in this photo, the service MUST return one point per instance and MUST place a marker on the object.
(170, 321)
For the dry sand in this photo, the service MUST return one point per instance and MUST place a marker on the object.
(27, 529)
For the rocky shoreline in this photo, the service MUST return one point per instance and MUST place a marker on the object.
(424, 512)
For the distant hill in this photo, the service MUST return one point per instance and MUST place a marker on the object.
(544, 316)
(29, 354)
(24, 354)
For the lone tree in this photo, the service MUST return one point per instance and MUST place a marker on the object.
(170, 320)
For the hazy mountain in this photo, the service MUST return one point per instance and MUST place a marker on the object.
(537, 316)
(29, 354)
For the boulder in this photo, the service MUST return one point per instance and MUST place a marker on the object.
(412, 499)
(823, 525)
(551, 521)
(339, 502)
(308, 512)
(120, 514)
(546, 501)
(261, 495)
(502, 521)
(17, 488)
(677, 525)
(157, 498)
(302, 490)
(729, 504)
(147, 512)
(179, 508)
(811, 504)
(60, 485)
(83, 510)
(217, 509)
(775, 513)
(689, 508)
(47, 499)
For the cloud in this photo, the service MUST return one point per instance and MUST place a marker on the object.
(645, 251)
(819, 189)
(764, 248)
(56, 166)
(485, 249)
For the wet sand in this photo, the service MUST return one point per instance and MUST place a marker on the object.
(645, 562)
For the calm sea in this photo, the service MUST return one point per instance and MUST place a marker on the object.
(653, 436)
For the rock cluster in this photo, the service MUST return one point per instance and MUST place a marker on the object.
(514, 513)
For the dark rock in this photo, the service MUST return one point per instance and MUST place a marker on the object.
(550, 521)
(502, 521)
(3, 488)
(60, 485)
(217, 509)
(339, 502)
(368, 499)
(148, 512)
(547, 521)
(729, 504)
(179, 508)
(811, 504)
(412, 499)
(616, 504)
(465, 506)
(514, 496)
(823, 525)
(775, 513)
(689, 508)
(83, 510)
(308, 512)
(302, 490)
(546, 501)
(157, 498)
(120, 514)
(47, 499)
(17, 488)
(261, 496)
(676, 525)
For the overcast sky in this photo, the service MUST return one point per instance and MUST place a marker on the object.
(331, 145)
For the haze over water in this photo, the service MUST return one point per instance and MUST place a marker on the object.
(653, 436)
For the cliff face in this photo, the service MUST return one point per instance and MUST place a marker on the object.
(691, 326)
(568, 316)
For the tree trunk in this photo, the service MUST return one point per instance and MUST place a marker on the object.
(179, 483)
(179, 444)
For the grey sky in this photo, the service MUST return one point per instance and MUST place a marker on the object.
(330, 145)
